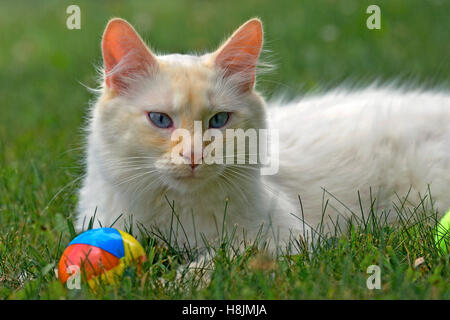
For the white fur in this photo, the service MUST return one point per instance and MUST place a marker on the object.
(342, 141)
(389, 140)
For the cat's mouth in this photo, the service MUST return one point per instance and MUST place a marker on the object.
(191, 176)
(198, 176)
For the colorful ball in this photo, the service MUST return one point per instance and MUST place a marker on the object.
(100, 255)
(442, 236)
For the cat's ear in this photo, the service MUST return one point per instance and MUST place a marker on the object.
(125, 55)
(239, 54)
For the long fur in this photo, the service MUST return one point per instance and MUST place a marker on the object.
(348, 146)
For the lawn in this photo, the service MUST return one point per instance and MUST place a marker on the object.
(44, 71)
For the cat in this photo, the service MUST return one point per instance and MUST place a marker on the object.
(347, 146)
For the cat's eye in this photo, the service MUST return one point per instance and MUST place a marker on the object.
(219, 120)
(161, 120)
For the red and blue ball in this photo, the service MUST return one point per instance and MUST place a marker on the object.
(100, 255)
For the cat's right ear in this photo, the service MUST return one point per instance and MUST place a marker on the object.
(125, 55)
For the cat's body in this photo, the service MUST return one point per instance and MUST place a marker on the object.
(383, 141)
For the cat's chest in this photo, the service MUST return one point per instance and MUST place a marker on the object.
(191, 218)
(201, 208)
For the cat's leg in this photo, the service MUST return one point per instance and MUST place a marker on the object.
(198, 271)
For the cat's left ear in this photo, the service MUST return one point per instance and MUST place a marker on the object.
(239, 54)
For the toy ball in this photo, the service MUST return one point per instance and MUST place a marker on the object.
(442, 236)
(100, 255)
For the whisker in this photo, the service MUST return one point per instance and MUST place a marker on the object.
(135, 176)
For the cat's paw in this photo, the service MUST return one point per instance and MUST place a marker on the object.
(198, 273)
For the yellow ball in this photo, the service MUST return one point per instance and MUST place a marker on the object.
(442, 235)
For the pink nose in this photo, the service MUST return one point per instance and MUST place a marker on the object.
(191, 159)
(193, 165)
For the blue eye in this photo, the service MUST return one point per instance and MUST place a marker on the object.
(219, 120)
(161, 120)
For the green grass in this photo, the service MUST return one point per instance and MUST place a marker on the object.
(313, 43)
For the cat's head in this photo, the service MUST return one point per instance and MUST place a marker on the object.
(147, 97)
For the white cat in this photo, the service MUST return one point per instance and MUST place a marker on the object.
(378, 141)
